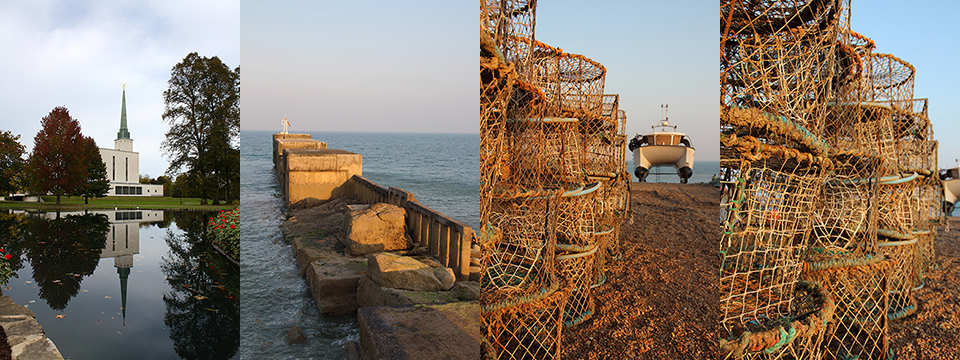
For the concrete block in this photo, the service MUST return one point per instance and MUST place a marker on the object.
(333, 284)
(447, 331)
(317, 173)
(402, 272)
(369, 293)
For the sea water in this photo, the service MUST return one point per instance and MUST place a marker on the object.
(441, 170)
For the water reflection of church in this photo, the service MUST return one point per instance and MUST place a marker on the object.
(122, 242)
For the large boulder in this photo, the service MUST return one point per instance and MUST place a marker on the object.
(379, 227)
(402, 272)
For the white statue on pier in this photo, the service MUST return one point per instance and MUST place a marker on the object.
(285, 124)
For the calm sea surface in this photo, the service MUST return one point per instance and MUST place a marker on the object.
(124, 284)
(441, 170)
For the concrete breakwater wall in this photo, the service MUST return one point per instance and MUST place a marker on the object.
(308, 170)
(410, 288)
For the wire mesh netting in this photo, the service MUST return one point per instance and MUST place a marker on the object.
(859, 289)
(800, 90)
(554, 188)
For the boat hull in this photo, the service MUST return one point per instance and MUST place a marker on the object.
(951, 190)
(677, 155)
(681, 157)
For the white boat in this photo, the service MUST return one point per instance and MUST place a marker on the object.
(665, 146)
(951, 188)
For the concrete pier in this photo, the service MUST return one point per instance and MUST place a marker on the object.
(399, 319)
(307, 169)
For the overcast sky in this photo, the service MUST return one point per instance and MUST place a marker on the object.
(927, 35)
(78, 54)
(385, 66)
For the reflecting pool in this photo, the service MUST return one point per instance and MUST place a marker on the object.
(124, 284)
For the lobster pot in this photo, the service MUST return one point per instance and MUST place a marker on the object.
(930, 197)
(529, 330)
(915, 155)
(895, 207)
(799, 337)
(851, 51)
(495, 92)
(572, 83)
(605, 123)
(607, 250)
(877, 121)
(846, 210)
(888, 78)
(859, 287)
(577, 216)
(520, 259)
(903, 277)
(601, 155)
(926, 256)
(764, 234)
(577, 275)
(507, 22)
(540, 153)
(778, 55)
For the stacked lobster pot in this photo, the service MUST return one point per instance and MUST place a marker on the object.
(799, 88)
(790, 267)
(554, 184)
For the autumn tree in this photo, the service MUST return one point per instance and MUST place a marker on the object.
(96, 184)
(203, 110)
(57, 164)
(11, 163)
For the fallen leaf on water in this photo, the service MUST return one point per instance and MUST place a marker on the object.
(60, 316)
(107, 297)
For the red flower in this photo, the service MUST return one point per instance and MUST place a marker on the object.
(231, 226)
(7, 256)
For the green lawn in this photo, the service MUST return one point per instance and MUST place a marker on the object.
(147, 202)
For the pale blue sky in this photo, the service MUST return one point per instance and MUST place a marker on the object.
(78, 54)
(411, 67)
(927, 35)
(387, 66)
(655, 52)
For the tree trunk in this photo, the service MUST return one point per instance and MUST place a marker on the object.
(58, 199)
(86, 200)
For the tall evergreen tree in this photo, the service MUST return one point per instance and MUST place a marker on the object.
(57, 165)
(96, 184)
(11, 163)
(203, 109)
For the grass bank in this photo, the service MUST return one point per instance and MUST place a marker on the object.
(110, 202)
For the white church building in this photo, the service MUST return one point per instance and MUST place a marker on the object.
(123, 164)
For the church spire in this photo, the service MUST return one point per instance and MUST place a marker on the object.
(124, 275)
(123, 133)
